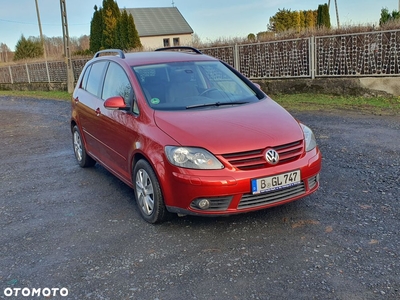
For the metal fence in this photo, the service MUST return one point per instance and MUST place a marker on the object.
(348, 55)
(365, 54)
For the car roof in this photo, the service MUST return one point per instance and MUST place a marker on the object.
(158, 57)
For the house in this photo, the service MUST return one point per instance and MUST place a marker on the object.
(161, 27)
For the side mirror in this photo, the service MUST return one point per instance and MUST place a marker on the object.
(116, 103)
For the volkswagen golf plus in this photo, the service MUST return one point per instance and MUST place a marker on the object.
(190, 134)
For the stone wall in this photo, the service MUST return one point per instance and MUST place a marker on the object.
(35, 86)
(368, 87)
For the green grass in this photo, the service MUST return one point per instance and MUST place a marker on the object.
(56, 95)
(320, 102)
(292, 102)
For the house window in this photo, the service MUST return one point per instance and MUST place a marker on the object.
(176, 42)
(166, 42)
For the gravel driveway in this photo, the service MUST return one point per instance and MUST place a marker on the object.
(78, 230)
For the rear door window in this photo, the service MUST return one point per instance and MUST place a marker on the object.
(95, 78)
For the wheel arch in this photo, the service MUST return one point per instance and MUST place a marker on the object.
(73, 124)
(138, 155)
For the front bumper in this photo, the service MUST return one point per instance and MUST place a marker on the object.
(230, 191)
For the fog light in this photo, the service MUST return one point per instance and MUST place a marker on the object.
(203, 204)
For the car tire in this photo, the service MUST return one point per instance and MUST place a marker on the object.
(148, 193)
(83, 159)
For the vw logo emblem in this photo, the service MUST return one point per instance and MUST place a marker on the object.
(272, 157)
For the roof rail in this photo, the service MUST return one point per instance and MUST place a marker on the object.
(180, 48)
(118, 52)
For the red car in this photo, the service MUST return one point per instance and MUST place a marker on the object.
(190, 134)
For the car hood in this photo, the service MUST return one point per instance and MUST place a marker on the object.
(231, 129)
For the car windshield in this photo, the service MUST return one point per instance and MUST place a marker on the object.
(192, 85)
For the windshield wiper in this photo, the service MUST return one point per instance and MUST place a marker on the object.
(216, 104)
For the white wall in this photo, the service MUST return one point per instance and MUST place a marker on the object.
(154, 42)
(387, 84)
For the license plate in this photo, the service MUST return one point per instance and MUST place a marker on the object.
(276, 182)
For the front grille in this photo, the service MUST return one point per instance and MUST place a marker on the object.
(255, 159)
(250, 200)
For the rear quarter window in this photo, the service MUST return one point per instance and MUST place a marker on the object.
(85, 78)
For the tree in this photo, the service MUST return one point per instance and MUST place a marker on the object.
(127, 37)
(251, 37)
(310, 20)
(283, 20)
(122, 32)
(113, 6)
(28, 48)
(196, 41)
(323, 19)
(134, 39)
(302, 19)
(111, 28)
(54, 46)
(83, 42)
(4, 52)
(286, 19)
(387, 17)
(96, 30)
(111, 15)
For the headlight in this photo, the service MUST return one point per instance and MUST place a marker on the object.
(192, 158)
(309, 138)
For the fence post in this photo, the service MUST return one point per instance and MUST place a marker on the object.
(47, 70)
(27, 73)
(236, 59)
(11, 77)
(313, 56)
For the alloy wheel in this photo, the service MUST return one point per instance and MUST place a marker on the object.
(145, 192)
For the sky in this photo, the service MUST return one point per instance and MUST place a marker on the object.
(209, 19)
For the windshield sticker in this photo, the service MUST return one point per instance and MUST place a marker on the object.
(155, 101)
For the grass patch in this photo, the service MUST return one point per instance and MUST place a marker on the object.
(318, 102)
(56, 95)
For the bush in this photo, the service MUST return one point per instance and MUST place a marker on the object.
(28, 48)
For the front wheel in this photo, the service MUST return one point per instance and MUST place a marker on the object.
(83, 159)
(148, 193)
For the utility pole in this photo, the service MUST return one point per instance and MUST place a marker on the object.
(40, 30)
(67, 53)
(337, 11)
(337, 14)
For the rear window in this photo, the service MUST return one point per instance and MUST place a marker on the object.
(185, 85)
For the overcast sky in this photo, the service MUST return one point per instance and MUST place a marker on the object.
(209, 19)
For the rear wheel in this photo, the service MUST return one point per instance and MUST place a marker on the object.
(83, 159)
(148, 193)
